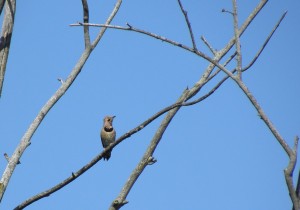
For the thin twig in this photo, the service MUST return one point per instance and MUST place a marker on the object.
(265, 43)
(131, 28)
(208, 45)
(108, 21)
(184, 12)
(237, 40)
(7, 158)
(221, 53)
(87, 40)
(226, 11)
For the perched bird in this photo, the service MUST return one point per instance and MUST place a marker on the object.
(107, 134)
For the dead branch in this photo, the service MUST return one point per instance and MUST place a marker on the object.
(121, 199)
(86, 32)
(5, 39)
(25, 141)
(1, 5)
(237, 40)
(265, 43)
(188, 23)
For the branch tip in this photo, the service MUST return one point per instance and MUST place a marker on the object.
(6, 157)
(61, 80)
(119, 204)
(129, 26)
(214, 52)
(151, 160)
(226, 11)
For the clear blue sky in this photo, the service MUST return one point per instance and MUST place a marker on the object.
(215, 155)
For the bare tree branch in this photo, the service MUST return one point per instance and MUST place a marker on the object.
(191, 92)
(237, 40)
(5, 39)
(120, 200)
(199, 53)
(264, 117)
(214, 88)
(225, 64)
(208, 45)
(86, 32)
(297, 187)
(244, 69)
(75, 175)
(108, 21)
(184, 12)
(1, 5)
(25, 141)
(288, 174)
(265, 43)
(257, 54)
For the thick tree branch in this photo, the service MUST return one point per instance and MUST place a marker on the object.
(264, 117)
(86, 32)
(5, 39)
(288, 174)
(75, 175)
(237, 40)
(1, 5)
(297, 187)
(120, 200)
(25, 141)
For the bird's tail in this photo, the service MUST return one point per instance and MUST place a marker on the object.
(107, 155)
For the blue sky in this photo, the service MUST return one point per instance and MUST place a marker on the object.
(217, 154)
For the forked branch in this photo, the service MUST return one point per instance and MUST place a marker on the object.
(121, 199)
(26, 139)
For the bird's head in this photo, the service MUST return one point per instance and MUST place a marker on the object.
(108, 120)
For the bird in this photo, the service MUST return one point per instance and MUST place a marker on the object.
(107, 134)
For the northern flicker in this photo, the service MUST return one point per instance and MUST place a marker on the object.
(107, 134)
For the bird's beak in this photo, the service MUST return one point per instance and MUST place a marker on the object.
(113, 116)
